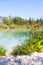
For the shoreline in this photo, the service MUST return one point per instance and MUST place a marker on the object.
(39, 54)
(33, 59)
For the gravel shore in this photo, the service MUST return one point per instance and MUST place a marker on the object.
(33, 59)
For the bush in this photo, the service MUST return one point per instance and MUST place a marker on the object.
(2, 51)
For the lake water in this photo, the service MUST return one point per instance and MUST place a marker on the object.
(12, 37)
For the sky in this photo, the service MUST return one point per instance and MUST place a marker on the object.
(22, 8)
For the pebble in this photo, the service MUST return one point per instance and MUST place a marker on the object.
(23, 60)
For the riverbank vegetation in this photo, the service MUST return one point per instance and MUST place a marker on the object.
(34, 44)
(20, 23)
(2, 51)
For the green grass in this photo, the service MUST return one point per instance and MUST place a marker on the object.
(34, 44)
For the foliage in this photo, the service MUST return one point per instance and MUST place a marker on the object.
(29, 23)
(35, 43)
(2, 51)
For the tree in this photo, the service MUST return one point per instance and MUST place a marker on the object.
(5, 20)
(30, 22)
(10, 21)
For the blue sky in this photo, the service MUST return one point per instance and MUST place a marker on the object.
(22, 8)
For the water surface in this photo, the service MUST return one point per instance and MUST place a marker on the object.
(12, 37)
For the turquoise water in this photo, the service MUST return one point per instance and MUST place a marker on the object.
(12, 37)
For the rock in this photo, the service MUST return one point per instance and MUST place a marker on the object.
(34, 59)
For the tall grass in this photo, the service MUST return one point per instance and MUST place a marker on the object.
(35, 43)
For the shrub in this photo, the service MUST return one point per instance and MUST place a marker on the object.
(2, 51)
